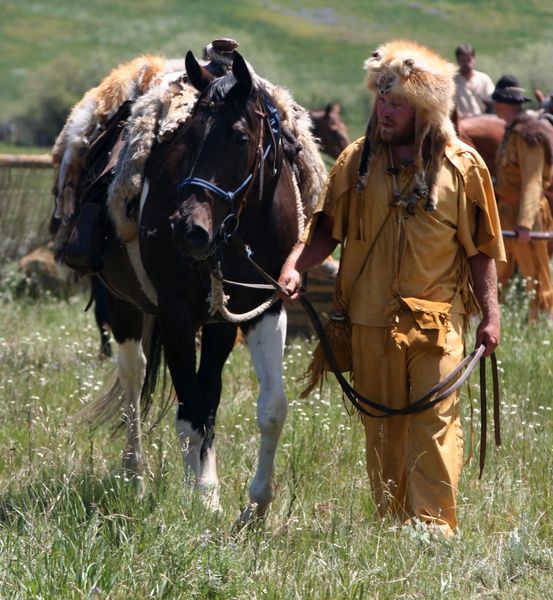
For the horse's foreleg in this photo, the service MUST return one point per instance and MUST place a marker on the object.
(266, 345)
(217, 343)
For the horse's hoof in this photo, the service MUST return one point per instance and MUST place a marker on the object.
(210, 498)
(249, 515)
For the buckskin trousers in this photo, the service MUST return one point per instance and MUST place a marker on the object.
(414, 462)
(532, 260)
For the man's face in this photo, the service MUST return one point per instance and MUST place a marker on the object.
(396, 119)
(465, 62)
(506, 111)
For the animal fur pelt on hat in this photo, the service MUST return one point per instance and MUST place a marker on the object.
(425, 81)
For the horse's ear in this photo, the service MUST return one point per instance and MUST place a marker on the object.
(539, 95)
(197, 75)
(241, 72)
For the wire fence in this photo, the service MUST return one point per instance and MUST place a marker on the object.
(26, 204)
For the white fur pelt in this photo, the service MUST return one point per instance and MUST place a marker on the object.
(156, 115)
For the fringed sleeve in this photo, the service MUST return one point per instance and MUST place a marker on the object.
(478, 228)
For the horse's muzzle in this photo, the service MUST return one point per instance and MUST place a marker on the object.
(190, 236)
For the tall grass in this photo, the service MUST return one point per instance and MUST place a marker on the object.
(70, 526)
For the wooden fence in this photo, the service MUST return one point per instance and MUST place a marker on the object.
(26, 203)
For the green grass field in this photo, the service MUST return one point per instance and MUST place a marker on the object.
(313, 47)
(71, 528)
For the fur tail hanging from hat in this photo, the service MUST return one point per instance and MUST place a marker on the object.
(424, 80)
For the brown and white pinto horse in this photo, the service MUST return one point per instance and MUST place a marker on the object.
(220, 189)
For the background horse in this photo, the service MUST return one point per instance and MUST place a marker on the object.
(223, 187)
(330, 129)
(484, 133)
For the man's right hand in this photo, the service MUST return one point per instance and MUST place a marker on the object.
(291, 280)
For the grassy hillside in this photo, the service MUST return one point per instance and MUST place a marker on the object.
(316, 48)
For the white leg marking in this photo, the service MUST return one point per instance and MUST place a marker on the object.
(203, 469)
(131, 364)
(266, 346)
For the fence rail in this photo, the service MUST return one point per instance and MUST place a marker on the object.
(26, 203)
(26, 161)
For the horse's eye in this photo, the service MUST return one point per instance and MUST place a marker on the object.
(242, 139)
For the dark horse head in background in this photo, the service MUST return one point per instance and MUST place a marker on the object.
(331, 130)
(221, 189)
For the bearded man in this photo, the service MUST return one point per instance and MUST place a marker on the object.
(410, 271)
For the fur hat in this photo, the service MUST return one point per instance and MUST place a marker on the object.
(508, 91)
(425, 80)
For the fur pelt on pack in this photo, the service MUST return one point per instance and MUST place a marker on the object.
(425, 80)
(310, 165)
(535, 132)
(89, 116)
(156, 115)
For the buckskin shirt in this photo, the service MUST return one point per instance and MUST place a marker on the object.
(407, 303)
(523, 173)
(416, 256)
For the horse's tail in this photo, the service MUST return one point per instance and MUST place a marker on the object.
(109, 404)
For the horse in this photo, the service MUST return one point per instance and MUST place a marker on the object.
(330, 129)
(218, 197)
(484, 133)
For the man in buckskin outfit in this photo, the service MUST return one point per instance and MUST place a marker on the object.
(408, 273)
(524, 162)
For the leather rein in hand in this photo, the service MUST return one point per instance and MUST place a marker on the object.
(444, 388)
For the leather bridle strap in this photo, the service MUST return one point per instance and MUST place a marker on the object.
(459, 375)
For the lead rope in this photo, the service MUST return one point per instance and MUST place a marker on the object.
(217, 298)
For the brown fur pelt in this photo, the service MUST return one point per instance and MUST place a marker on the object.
(535, 132)
(311, 170)
(89, 116)
(417, 75)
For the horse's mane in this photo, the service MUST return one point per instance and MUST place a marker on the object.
(220, 88)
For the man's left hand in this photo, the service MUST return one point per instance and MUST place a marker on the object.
(488, 335)
(523, 234)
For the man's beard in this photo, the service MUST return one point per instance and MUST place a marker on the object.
(395, 136)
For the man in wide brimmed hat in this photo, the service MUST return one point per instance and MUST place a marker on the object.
(523, 173)
(415, 213)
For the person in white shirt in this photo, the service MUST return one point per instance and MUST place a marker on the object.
(473, 89)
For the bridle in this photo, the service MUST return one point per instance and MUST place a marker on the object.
(270, 116)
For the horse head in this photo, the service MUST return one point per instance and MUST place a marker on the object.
(232, 142)
(330, 129)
